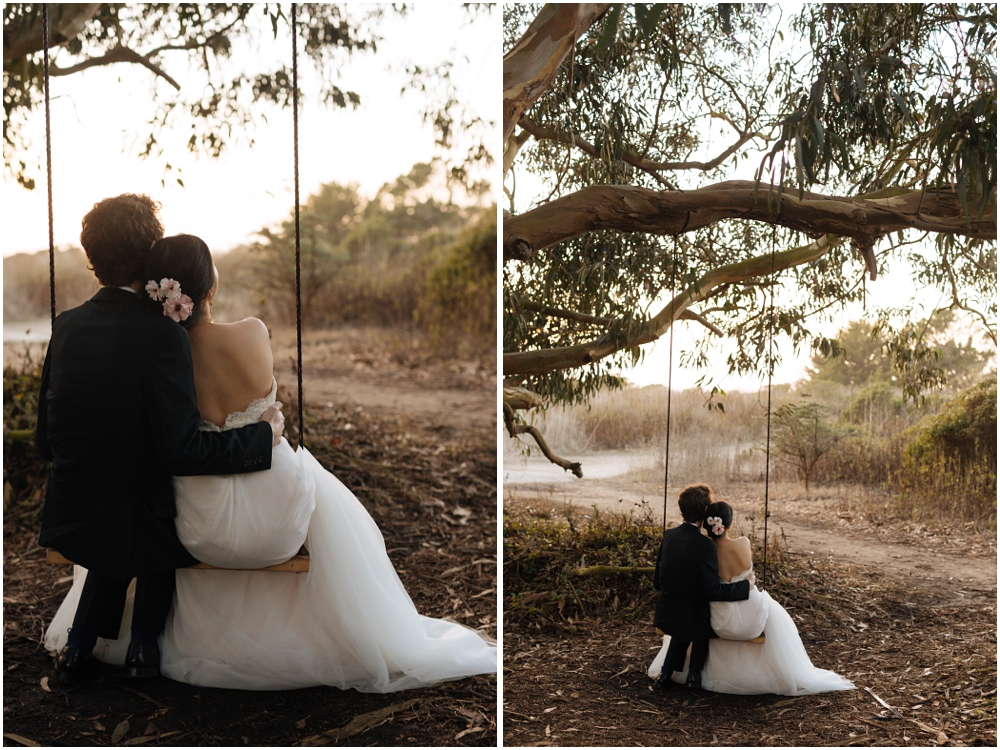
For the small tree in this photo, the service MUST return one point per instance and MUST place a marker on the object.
(801, 435)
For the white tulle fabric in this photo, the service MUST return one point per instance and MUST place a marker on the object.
(348, 622)
(778, 666)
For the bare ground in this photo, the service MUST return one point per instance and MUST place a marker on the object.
(904, 610)
(429, 479)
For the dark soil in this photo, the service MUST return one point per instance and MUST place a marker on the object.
(432, 493)
(580, 680)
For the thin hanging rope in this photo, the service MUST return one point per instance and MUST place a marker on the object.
(48, 162)
(670, 381)
(770, 372)
(298, 251)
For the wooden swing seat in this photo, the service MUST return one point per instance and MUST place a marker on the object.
(298, 564)
(758, 639)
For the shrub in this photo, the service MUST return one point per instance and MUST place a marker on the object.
(949, 465)
(24, 471)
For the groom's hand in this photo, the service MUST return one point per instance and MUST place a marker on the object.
(752, 578)
(276, 419)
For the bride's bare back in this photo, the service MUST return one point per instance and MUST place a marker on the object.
(734, 556)
(233, 365)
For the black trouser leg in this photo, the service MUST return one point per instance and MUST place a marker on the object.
(676, 654)
(699, 655)
(154, 594)
(102, 603)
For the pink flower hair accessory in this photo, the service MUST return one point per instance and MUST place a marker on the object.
(176, 305)
(718, 528)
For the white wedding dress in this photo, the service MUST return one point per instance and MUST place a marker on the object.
(348, 622)
(778, 666)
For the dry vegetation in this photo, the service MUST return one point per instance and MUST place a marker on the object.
(934, 463)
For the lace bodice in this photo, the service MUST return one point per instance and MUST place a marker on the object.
(250, 415)
(742, 576)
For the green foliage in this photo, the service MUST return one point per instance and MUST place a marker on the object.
(874, 407)
(965, 431)
(539, 555)
(697, 90)
(362, 261)
(917, 356)
(801, 435)
(459, 298)
(949, 464)
(24, 471)
(26, 283)
(203, 37)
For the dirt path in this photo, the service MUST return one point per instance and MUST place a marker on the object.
(383, 371)
(829, 523)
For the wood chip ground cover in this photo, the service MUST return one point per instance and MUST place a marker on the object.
(577, 680)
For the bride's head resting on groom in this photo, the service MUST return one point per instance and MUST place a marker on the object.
(117, 234)
(187, 260)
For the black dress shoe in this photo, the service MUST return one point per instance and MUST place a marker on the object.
(663, 682)
(142, 660)
(75, 666)
(694, 678)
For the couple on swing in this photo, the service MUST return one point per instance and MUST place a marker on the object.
(166, 447)
(709, 608)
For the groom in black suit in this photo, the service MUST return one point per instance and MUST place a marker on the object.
(687, 576)
(117, 417)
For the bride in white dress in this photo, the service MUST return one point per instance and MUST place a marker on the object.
(348, 622)
(780, 665)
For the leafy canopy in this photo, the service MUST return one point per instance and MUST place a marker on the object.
(843, 99)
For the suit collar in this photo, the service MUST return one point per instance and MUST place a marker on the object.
(114, 294)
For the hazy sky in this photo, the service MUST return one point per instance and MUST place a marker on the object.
(97, 116)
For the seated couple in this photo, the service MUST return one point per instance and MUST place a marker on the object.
(166, 447)
(709, 607)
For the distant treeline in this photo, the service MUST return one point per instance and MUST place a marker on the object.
(402, 258)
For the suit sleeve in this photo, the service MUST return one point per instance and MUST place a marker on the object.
(169, 394)
(42, 423)
(656, 570)
(716, 590)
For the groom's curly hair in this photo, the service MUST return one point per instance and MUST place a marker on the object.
(694, 501)
(117, 233)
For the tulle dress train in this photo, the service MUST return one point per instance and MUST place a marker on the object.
(778, 666)
(348, 622)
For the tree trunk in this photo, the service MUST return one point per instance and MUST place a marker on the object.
(66, 20)
(530, 66)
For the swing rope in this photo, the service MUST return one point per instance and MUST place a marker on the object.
(48, 163)
(670, 379)
(298, 251)
(770, 372)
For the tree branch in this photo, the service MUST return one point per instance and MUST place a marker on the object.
(554, 312)
(530, 67)
(514, 430)
(634, 209)
(120, 54)
(67, 19)
(578, 355)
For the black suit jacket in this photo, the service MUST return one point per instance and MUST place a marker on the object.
(687, 575)
(117, 416)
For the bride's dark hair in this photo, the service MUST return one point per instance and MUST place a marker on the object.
(721, 510)
(186, 259)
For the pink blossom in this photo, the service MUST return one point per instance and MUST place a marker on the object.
(170, 289)
(178, 309)
(153, 289)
